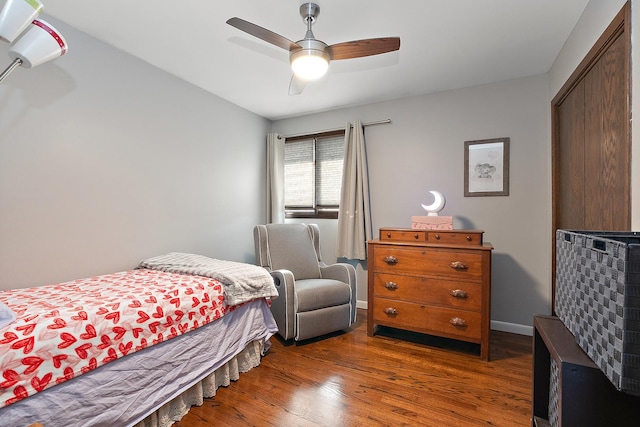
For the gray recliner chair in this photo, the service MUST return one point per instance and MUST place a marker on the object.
(314, 298)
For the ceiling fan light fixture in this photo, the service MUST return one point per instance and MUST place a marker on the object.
(309, 64)
(311, 60)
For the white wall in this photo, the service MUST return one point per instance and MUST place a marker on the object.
(106, 160)
(423, 149)
(594, 20)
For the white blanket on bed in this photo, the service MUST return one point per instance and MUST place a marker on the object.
(242, 282)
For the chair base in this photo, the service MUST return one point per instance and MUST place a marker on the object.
(311, 324)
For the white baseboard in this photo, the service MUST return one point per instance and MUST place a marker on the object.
(513, 328)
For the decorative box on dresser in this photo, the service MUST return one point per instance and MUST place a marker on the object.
(435, 282)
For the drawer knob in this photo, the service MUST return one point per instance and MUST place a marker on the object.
(437, 236)
(392, 286)
(390, 311)
(388, 235)
(415, 236)
(391, 260)
(456, 321)
(459, 265)
(459, 293)
(469, 238)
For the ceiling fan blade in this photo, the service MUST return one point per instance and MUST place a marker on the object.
(366, 47)
(263, 33)
(297, 85)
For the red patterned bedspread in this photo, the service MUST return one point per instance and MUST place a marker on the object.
(68, 329)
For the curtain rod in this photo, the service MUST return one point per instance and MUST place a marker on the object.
(379, 122)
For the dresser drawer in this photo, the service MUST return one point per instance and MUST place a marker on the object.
(429, 319)
(402, 235)
(457, 265)
(435, 237)
(465, 295)
(464, 238)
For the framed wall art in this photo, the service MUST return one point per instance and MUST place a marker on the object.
(486, 167)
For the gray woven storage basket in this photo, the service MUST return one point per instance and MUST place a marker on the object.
(598, 299)
(554, 393)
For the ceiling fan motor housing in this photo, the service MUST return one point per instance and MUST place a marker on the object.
(309, 12)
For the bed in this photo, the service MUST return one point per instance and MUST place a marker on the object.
(133, 348)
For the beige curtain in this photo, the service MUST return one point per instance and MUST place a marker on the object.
(275, 178)
(354, 216)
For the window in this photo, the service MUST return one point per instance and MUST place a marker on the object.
(313, 175)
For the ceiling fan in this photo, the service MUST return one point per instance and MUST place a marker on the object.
(310, 57)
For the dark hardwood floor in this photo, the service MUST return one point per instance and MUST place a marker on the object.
(392, 379)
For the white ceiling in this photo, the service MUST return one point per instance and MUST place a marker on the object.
(445, 44)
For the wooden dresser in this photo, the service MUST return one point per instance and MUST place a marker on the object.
(433, 282)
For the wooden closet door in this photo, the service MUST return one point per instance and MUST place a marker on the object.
(591, 140)
(607, 142)
(569, 159)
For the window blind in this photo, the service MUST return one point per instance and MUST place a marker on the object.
(313, 172)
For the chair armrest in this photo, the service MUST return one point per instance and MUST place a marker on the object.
(340, 271)
(345, 273)
(283, 307)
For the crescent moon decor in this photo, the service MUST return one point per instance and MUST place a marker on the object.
(432, 221)
(437, 205)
